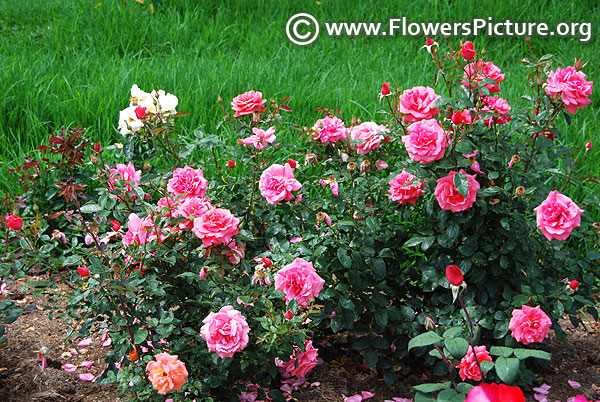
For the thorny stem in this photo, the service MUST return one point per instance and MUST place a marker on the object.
(448, 364)
(471, 333)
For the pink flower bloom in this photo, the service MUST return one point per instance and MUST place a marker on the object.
(192, 208)
(557, 216)
(299, 280)
(468, 366)
(167, 373)
(367, 136)
(261, 276)
(329, 129)
(476, 72)
(572, 87)
(168, 207)
(474, 164)
(188, 181)
(216, 226)
(448, 196)
(418, 104)
(499, 107)
(137, 230)
(277, 183)
(381, 165)
(402, 192)
(461, 117)
(529, 325)
(467, 50)
(237, 252)
(260, 139)
(426, 141)
(495, 393)
(305, 361)
(128, 174)
(248, 103)
(225, 332)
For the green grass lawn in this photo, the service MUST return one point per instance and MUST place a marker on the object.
(70, 62)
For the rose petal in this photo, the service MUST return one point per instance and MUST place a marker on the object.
(107, 342)
(366, 394)
(542, 389)
(87, 364)
(69, 368)
(574, 384)
(86, 377)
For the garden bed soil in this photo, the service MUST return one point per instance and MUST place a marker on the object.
(23, 380)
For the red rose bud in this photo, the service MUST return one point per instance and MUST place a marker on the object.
(574, 284)
(385, 89)
(231, 164)
(429, 324)
(578, 65)
(454, 275)
(289, 314)
(467, 50)
(266, 262)
(588, 146)
(115, 226)
(140, 112)
(292, 163)
(429, 41)
(97, 148)
(83, 272)
(14, 222)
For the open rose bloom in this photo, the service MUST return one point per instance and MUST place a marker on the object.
(166, 373)
(468, 369)
(277, 183)
(571, 86)
(448, 196)
(557, 216)
(367, 136)
(426, 141)
(329, 129)
(499, 107)
(476, 72)
(299, 280)
(216, 226)
(404, 193)
(418, 103)
(187, 182)
(225, 332)
(529, 325)
(260, 138)
(301, 363)
(495, 393)
(248, 103)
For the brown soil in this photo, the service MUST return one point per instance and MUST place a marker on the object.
(23, 380)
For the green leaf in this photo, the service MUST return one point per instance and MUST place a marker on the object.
(370, 357)
(381, 318)
(379, 266)
(421, 397)
(461, 182)
(389, 376)
(465, 387)
(501, 351)
(486, 365)
(336, 323)
(507, 369)
(457, 347)
(12, 315)
(425, 339)
(522, 354)
(140, 336)
(90, 208)
(446, 395)
(361, 343)
(72, 260)
(452, 332)
(344, 258)
(414, 241)
(432, 387)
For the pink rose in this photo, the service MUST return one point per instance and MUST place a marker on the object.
(188, 181)
(192, 208)
(299, 280)
(127, 173)
(168, 207)
(572, 87)
(216, 226)
(417, 104)
(260, 139)
(248, 103)
(426, 141)
(306, 360)
(476, 72)
(448, 196)
(467, 50)
(557, 216)
(167, 373)
(329, 129)
(495, 393)
(468, 366)
(137, 230)
(368, 135)
(277, 183)
(402, 192)
(529, 325)
(499, 107)
(461, 117)
(225, 332)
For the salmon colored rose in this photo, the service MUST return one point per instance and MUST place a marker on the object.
(557, 216)
(225, 332)
(277, 183)
(418, 104)
(188, 181)
(426, 141)
(166, 373)
(216, 226)
(476, 72)
(571, 86)
(366, 136)
(448, 196)
(329, 129)
(402, 192)
(529, 325)
(248, 103)
(301, 363)
(468, 369)
(299, 280)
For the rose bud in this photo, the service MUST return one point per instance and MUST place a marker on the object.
(454, 275)
(429, 41)
(231, 164)
(115, 225)
(14, 222)
(467, 50)
(385, 89)
(588, 146)
(140, 112)
(574, 284)
(97, 148)
(266, 262)
(289, 314)
(292, 163)
(429, 324)
(83, 272)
